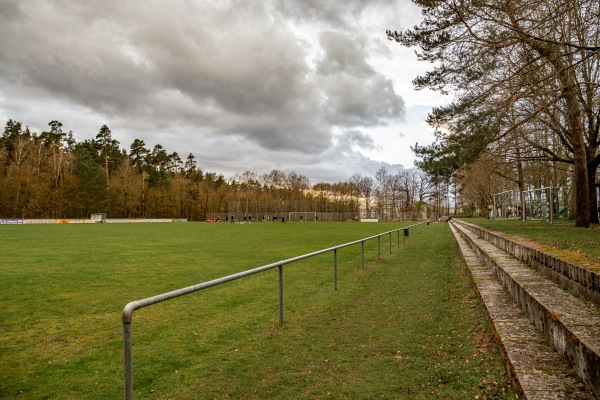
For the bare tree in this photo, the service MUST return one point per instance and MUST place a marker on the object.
(366, 186)
(530, 59)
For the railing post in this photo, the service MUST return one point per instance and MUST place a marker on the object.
(335, 269)
(390, 237)
(378, 248)
(362, 245)
(281, 294)
(127, 361)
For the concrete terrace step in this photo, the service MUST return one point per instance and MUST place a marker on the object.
(563, 323)
(581, 280)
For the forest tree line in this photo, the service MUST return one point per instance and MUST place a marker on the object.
(51, 175)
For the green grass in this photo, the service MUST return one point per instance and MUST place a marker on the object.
(409, 326)
(580, 245)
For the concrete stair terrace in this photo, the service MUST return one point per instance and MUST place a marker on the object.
(549, 337)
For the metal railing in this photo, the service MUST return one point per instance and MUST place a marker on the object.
(128, 310)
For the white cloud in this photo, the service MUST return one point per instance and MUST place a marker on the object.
(308, 86)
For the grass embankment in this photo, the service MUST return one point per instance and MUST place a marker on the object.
(410, 326)
(577, 245)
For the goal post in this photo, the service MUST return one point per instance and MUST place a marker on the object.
(302, 216)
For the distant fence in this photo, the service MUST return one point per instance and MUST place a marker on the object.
(542, 204)
(128, 310)
(87, 221)
(267, 216)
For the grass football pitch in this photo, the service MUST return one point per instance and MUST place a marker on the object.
(408, 326)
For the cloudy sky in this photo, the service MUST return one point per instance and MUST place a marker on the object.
(307, 86)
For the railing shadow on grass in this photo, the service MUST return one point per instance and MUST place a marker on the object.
(127, 315)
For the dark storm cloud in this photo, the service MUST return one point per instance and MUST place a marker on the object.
(358, 139)
(9, 10)
(203, 71)
(356, 93)
(334, 13)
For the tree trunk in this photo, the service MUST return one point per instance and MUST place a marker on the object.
(521, 182)
(574, 116)
(582, 196)
(592, 192)
(564, 75)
